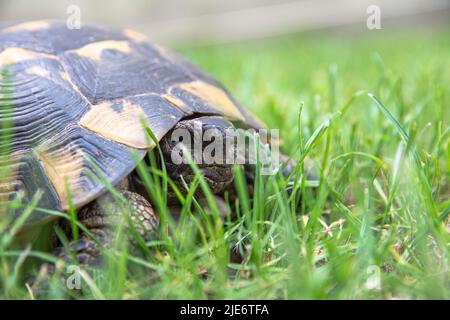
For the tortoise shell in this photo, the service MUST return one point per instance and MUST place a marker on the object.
(73, 101)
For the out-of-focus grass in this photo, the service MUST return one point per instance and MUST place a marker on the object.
(377, 225)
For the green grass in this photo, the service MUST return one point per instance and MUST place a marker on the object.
(381, 209)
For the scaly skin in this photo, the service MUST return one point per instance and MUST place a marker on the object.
(100, 217)
(218, 176)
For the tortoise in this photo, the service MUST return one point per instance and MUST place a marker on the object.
(76, 99)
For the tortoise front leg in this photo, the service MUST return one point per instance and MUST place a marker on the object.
(101, 218)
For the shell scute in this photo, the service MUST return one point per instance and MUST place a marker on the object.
(76, 102)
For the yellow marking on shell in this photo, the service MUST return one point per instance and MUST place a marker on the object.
(94, 50)
(177, 103)
(214, 97)
(38, 71)
(28, 26)
(135, 36)
(64, 169)
(15, 55)
(123, 126)
(66, 77)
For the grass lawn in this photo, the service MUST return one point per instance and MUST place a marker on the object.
(377, 225)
